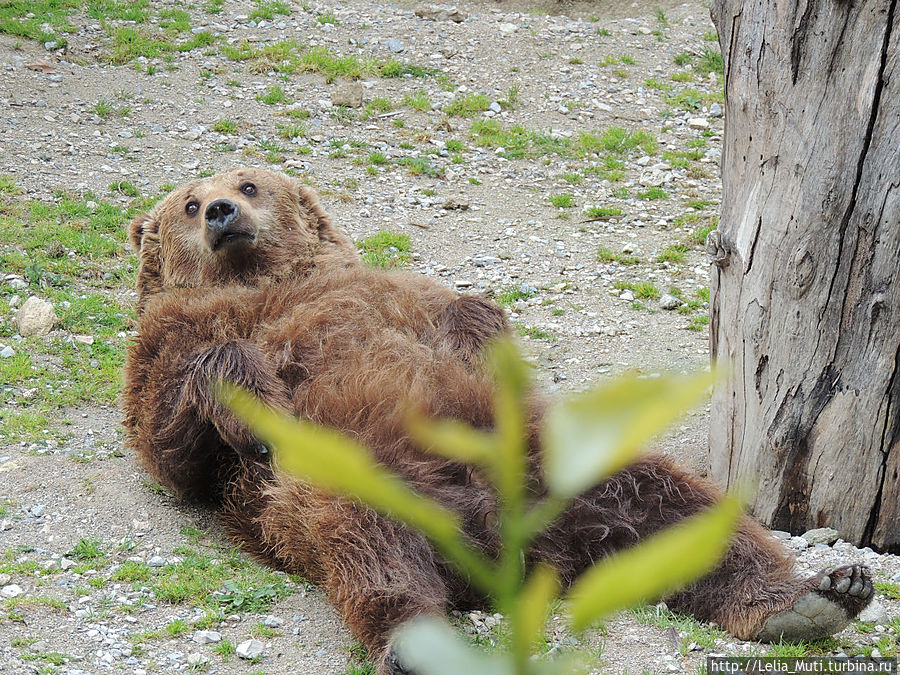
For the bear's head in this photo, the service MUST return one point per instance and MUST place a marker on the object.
(238, 227)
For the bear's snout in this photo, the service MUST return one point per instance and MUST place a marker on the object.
(221, 213)
(224, 226)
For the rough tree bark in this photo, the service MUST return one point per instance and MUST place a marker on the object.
(805, 294)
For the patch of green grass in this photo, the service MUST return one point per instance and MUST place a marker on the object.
(710, 62)
(377, 159)
(418, 101)
(517, 141)
(418, 166)
(468, 105)
(268, 9)
(225, 581)
(683, 58)
(563, 200)
(699, 235)
(8, 186)
(394, 68)
(510, 295)
(607, 255)
(53, 658)
(322, 60)
(102, 108)
(125, 188)
(690, 99)
(788, 649)
(261, 630)
(131, 571)
(274, 95)
(689, 629)
(698, 322)
(40, 20)
(653, 193)
(88, 548)
(673, 253)
(533, 332)
(328, 18)
(644, 290)
(25, 425)
(225, 649)
(653, 83)
(618, 141)
(291, 131)
(225, 126)
(130, 43)
(888, 589)
(176, 628)
(385, 249)
(602, 212)
(572, 178)
(378, 105)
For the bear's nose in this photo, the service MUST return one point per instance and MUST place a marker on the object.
(221, 213)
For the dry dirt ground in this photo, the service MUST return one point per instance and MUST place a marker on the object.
(561, 157)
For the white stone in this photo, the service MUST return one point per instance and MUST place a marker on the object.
(249, 649)
(36, 317)
(205, 637)
(12, 591)
(698, 123)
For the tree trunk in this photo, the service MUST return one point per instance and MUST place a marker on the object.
(805, 291)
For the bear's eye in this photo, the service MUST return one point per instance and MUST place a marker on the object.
(192, 208)
(248, 189)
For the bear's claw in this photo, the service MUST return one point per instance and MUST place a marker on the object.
(831, 603)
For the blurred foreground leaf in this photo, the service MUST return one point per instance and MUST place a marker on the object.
(429, 646)
(666, 561)
(532, 606)
(332, 461)
(593, 435)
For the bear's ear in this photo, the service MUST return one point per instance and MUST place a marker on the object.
(143, 223)
(312, 213)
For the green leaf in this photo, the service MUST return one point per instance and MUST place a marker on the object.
(593, 435)
(430, 647)
(333, 462)
(454, 440)
(531, 608)
(666, 561)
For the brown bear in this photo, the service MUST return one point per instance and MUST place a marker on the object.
(243, 278)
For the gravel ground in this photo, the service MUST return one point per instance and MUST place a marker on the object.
(561, 157)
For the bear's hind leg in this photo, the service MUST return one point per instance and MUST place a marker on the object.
(377, 573)
(753, 585)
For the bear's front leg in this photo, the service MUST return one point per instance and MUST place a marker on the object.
(241, 363)
(181, 431)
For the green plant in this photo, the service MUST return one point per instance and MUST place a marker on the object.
(607, 255)
(645, 290)
(274, 95)
(589, 437)
(602, 212)
(225, 127)
(652, 193)
(418, 101)
(468, 105)
(673, 253)
(385, 249)
(88, 548)
(562, 200)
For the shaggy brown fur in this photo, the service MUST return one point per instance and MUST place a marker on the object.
(244, 278)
